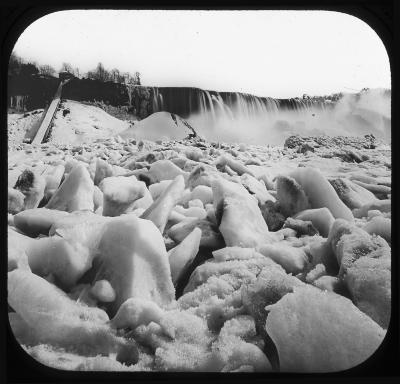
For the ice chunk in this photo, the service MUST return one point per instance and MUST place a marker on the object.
(292, 259)
(239, 168)
(380, 226)
(338, 229)
(381, 191)
(210, 237)
(369, 283)
(15, 201)
(22, 331)
(183, 254)
(191, 339)
(328, 283)
(202, 192)
(312, 334)
(144, 202)
(53, 177)
(175, 217)
(301, 227)
(32, 185)
(353, 195)
(158, 188)
(236, 353)
(185, 357)
(37, 221)
(244, 270)
(269, 287)
(196, 203)
(320, 251)
(317, 272)
(380, 205)
(321, 219)
(202, 175)
(97, 198)
(67, 261)
(166, 170)
(83, 227)
(180, 342)
(136, 311)
(103, 291)
(233, 348)
(56, 319)
(256, 188)
(216, 286)
(241, 221)
(320, 193)
(70, 163)
(291, 196)
(135, 261)
(160, 210)
(358, 243)
(242, 326)
(16, 250)
(13, 175)
(75, 193)
(119, 194)
(103, 170)
(198, 212)
(101, 364)
(235, 253)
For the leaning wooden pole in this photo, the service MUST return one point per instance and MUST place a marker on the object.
(49, 116)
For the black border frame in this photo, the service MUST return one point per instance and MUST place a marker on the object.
(383, 16)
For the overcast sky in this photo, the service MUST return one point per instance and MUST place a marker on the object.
(266, 53)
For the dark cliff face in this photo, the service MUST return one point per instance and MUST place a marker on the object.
(30, 92)
(143, 101)
(91, 90)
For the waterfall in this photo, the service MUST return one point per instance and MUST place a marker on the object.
(232, 115)
(19, 102)
(210, 104)
(186, 102)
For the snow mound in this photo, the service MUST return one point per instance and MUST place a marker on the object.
(76, 123)
(19, 124)
(159, 125)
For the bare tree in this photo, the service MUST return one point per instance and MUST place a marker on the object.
(14, 64)
(136, 78)
(67, 67)
(115, 75)
(47, 70)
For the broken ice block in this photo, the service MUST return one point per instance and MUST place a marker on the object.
(291, 196)
(183, 254)
(75, 193)
(320, 192)
(241, 221)
(320, 331)
(160, 210)
(135, 261)
(120, 193)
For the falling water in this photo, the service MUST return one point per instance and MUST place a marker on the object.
(19, 103)
(234, 116)
(231, 105)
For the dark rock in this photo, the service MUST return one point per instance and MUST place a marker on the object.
(272, 215)
(302, 228)
(128, 354)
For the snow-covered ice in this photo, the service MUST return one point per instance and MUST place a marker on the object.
(145, 247)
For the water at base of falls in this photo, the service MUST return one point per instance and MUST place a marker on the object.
(234, 116)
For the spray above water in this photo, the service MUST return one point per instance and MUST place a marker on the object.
(238, 117)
